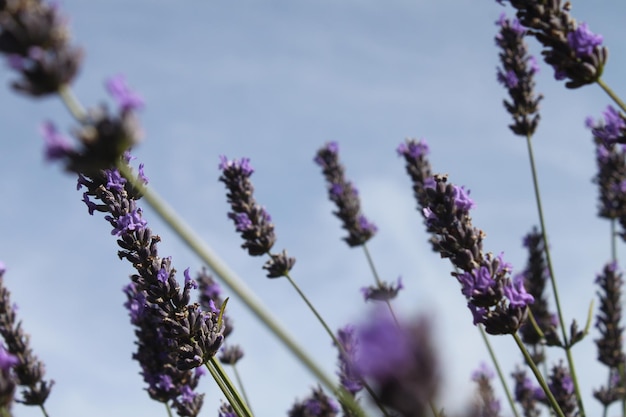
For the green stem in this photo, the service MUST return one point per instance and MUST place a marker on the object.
(241, 387)
(213, 362)
(612, 94)
(370, 261)
(529, 361)
(72, 104)
(169, 409)
(496, 364)
(229, 392)
(555, 291)
(613, 241)
(334, 339)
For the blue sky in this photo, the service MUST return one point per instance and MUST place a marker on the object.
(274, 81)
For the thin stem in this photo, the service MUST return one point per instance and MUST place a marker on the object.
(43, 410)
(241, 387)
(228, 393)
(611, 94)
(72, 104)
(334, 339)
(613, 241)
(370, 261)
(555, 291)
(231, 387)
(229, 278)
(529, 361)
(169, 409)
(496, 364)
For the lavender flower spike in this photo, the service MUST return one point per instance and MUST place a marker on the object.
(486, 404)
(608, 321)
(345, 196)
(35, 40)
(348, 374)
(575, 53)
(29, 370)
(516, 74)
(610, 131)
(400, 361)
(250, 219)
(494, 299)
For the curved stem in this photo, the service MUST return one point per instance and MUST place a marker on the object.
(611, 94)
(555, 291)
(529, 361)
(169, 409)
(496, 364)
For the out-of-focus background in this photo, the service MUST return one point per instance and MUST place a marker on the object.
(274, 81)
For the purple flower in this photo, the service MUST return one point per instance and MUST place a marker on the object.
(348, 375)
(482, 372)
(128, 222)
(414, 149)
(317, 405)
(7, 360)
(583, 41)
(126, 99)
(400, 362)
(517, 295)
(611, 130)
(57, 146)
(462, 199)
(508, 79)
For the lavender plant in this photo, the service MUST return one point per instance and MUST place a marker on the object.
(393, 359)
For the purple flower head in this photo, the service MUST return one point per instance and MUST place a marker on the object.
(462, 199)
(611, 130)
(316, 405)
(126, 99)
(400, 362)
(189, 281)
(533, 64)
(7, 360)
(516, 293)
(3, 268)
(242, 222)
(367, 226)
(57, 146)
(337, 190)
(508, 79)
(242, 165)
(414, 149)
(482, 372)
(115, 181)
(583, 41)
(476, 283)
(383, 348)
(128, 222)
(163, 275)
(142, 174)
(348, 375)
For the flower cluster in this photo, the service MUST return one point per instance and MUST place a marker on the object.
(345, 196)
(575, 53)
(400, 361)
(516, 74)
(487, 405)
(35, 39)
(527, 394)
(103, 137)
(27, 368)
(496, 301)
(251, 220)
